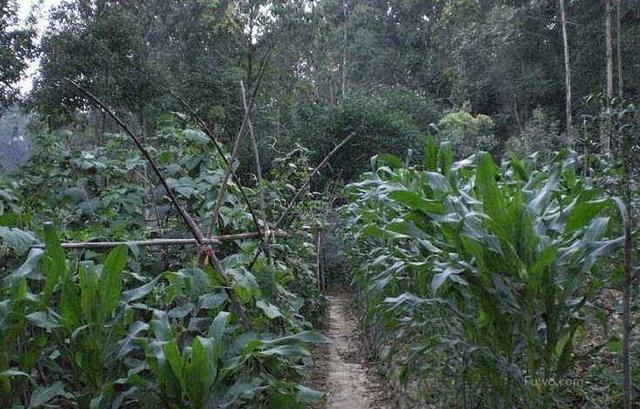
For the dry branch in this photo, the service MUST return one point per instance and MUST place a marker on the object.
(256, 155)
(236, 147)
(162, 242)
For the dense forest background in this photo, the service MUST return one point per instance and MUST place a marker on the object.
(486, 74)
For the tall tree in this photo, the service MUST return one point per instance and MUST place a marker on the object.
(619, 48)
(609, 48)
(567, 72)
(606, 134)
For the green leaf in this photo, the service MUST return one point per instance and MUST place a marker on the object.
(217, 333)
(519, 169)
(89, 286)
(493, 201)
(430, 160)
(287, 351)
(309, 337)
(111, 279)
(43, 319)
(70, 307)
(438, 182)
(544, 195)
(270, 310)
(43, 394)
(26, 268)
(583, 212)
(416, 202)
(308, 396)
(195, 136)
(445, 157)
(13, 373)
(19, 240)
(449, 273)
(172, 353)
(55, 261)
(140, 292)
(198, 372)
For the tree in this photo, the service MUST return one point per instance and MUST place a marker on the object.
(619, 49)
(132, 53)
(567, 71)
(103, 46)
(606, 135)
(16, 48)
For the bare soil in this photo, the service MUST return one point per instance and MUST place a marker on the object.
(342, 368)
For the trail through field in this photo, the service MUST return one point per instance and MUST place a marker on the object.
(347, 379)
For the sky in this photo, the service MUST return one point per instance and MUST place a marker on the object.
(24, 9)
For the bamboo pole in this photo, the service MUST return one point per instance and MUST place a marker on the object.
(95, 245)
(256, 154)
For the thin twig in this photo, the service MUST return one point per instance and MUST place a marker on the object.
(160, 242)
(256, 154)
(319, 279)
(236, 147)
(191, 224)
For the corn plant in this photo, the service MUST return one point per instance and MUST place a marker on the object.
(491, 268)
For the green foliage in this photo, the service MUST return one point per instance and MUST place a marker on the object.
(391, 121)
(16, 48)
(477, 281)
(467, 133)
(540, 134)
(141, 326)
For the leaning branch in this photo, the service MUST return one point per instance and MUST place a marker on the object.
(191, 224)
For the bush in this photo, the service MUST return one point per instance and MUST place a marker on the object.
(467, 133)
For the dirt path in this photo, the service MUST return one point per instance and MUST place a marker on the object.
(347, 379)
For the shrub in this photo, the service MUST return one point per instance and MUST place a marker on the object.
(467, 133)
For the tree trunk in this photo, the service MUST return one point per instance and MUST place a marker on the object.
(606, 135)
(627, 385)
(567, 73)
(609, 45)
(344, 49)
(619, 51)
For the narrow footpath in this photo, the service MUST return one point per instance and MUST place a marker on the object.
(347, 379)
